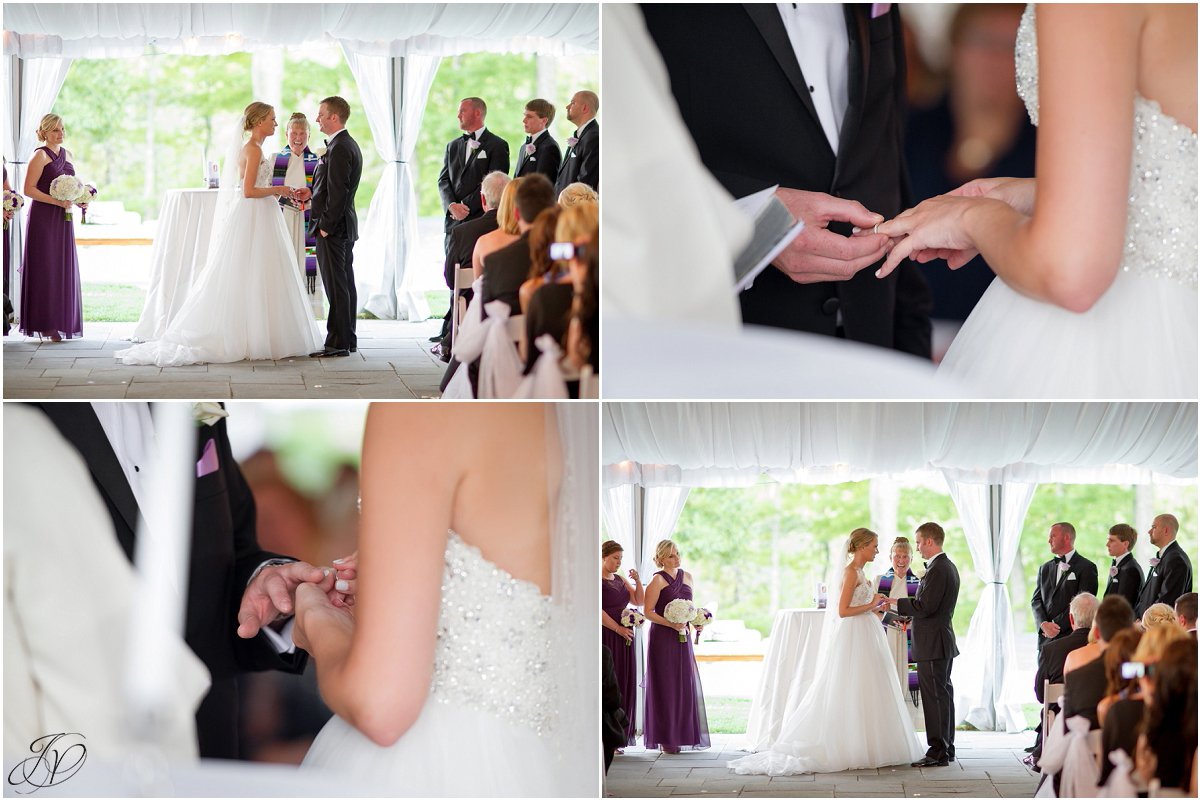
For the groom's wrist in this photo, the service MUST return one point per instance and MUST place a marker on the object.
(265, 564)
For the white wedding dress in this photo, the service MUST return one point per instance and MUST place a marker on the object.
(248, 301)
(853, 715)
(1140, 339)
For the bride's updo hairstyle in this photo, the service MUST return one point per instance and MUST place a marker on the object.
(610, 547)
(900, 544)
(662, 550)
(860, 537)
(255, 113)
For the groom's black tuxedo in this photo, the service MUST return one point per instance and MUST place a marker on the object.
(1053, 596)
(1168, 580)
(1128, 581)
(224, 555)
(740, 91)
(335, 182)
(934, 650)
(461, 177)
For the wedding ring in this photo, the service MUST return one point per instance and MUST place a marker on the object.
(876, 228)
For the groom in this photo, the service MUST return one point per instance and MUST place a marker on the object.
(335, 225)
(934, 646)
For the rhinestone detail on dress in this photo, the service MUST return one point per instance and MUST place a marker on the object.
(1161, 225)
(493, 649)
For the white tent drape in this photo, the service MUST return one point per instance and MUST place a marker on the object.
(30, 86)
(661, 510)
(617, 509)
(992, 517)
(394, 92)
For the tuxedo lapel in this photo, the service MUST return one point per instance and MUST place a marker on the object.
(766, 18)
(858, 69)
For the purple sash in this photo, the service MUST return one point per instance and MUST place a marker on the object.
(310, 241)
(912, 582)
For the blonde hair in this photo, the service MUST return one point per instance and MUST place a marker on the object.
(901, 542)
(1158, 615)
(48, 124)
(255, 113)
(1154, 640)
(577, 193)
(298, 118)
(662, 550)
(860, 537)
(578, 222)
(506, 210)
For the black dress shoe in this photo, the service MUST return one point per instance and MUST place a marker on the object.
(436, 337)
(329, 352)
(1032, 749)
(930, 762)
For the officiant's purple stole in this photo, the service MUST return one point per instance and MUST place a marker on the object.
(912, 582)
(310, 241)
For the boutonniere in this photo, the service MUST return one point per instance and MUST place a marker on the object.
(208, 413)
(320, 152)
(474, 144)
(530, 149)
(1064, 567)
(572, 141)
(1113, 571)
(1154, 561)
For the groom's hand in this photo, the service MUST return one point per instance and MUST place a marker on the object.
(818, 254)
(271, 594)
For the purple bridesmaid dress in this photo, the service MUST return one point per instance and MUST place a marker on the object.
(615, 596)
(14, 220)
(51, 299)
(675, 705)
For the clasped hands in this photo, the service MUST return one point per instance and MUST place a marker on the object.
(934, 229)
(281, 590)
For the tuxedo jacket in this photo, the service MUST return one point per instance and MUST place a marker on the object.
(335, 182)
(462, 243)
(1168, 580)
(460, 179)
(1127, 582)
(1083, 689)
(1052, 599)
(224, 555)
(740, 91)
(932, 609)
(505, 270)
(1052, 657)
(546, 159)
(582, 162)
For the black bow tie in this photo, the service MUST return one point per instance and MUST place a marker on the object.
(1114, 563)
(1063, 559)
(529, 139)
(326, 141)
(467, 136)
(925, 564)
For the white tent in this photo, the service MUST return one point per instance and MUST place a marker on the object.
(393, 50)
(993, 456)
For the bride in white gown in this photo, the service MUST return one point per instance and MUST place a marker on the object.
(465, 668)
(248, 301)
(1096, 258)
(853, 714)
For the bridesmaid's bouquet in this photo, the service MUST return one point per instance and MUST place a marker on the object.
(86, 196)
(681, 610)
(12, 202)
(66, 187)
(631, 618)
(703, 618)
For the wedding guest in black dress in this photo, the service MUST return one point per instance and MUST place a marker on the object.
(1121, 710)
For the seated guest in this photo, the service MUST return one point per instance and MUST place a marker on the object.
(1084, 654)
(577, 225)
(549, 315)
(1085, 687)
(1158, 615)
(507, 268)
(577, 193)
(503, 235)
(294, 167)
(1167, 744)
(1054, 655)
(1186, 613)
(1121, 710)
(543, 268)
(583, 333)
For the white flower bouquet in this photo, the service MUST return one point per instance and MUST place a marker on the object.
(86, 195)
(631, 618)
(681, 610)
(66, 187)
(207, 413)
(703, 618)
(12, 202)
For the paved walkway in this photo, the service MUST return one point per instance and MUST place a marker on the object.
(393, 361)
(989, 765)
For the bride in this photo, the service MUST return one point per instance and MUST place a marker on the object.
(853, 715)
(248, 301)
(1097, 256)
(463, 667)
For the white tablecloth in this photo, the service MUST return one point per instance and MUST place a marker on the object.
(787, 669)
(181, 245)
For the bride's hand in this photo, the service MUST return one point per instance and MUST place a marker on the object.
(342, 593)
(285, 191)
(935, 224)
(1017, 193)
(311, 604)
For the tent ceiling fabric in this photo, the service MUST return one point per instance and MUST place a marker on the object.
(80, 30)
(700, 444)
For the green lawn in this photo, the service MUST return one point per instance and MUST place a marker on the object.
(727, 715)
(122, 303)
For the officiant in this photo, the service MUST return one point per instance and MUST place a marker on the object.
(899, 581)
(294, 166)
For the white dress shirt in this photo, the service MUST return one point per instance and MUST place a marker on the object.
(818, 34)
(471, 153)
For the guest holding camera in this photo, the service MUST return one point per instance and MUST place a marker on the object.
(1121, 710)
(551, 306)
(1167, 745)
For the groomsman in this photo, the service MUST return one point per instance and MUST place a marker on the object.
(582, 162)
(1125, 573)
(540, 152)
(1171, 570)
(1059, 581)
(934, 648)
(468, 159)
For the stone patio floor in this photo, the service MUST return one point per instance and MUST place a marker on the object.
(988, 765)
(393, 361)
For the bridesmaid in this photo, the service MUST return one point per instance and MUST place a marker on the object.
(616, 595)
(900, 643)
(8, 215)
(675, 704)
(51, 299)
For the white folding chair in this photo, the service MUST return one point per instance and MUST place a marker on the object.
(463, 279)
(1052, 694)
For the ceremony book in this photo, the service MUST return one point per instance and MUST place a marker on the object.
(775, 228)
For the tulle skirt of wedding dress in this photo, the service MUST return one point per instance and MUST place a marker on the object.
(851, 717)
(247, 303)
(1138, 341)
(451, 751)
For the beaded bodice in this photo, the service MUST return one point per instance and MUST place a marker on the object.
(1161, 222)
(863, 590)
(263, 177)
(494, 641)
